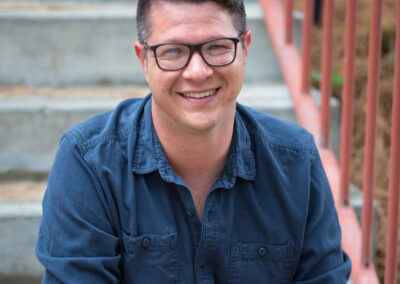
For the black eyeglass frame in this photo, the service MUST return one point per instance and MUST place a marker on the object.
(193, 48)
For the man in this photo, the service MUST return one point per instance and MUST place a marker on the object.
(186, 186)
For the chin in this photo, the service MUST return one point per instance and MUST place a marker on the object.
(201, 128)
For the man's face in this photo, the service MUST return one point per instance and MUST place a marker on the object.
(176, 101)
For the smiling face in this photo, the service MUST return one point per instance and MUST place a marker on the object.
(198, 98)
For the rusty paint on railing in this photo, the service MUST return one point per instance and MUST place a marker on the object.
(370, 130)
(347, 119)
(394, 179)
(295, 70)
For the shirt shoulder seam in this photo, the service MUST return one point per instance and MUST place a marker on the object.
(86, 146)
(280, 143)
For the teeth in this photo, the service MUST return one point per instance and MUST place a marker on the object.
(198, 95)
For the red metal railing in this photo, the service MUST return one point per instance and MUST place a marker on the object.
(357, 241)
(347, 101)
(326, 67)
(370, 130)
(306, 43)
(394, 183)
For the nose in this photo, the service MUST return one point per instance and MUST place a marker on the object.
(197, 69)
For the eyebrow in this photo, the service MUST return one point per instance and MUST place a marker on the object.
(173, 40)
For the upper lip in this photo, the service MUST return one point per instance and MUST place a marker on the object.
(198, 91)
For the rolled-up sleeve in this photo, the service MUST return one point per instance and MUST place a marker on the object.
(77, 241)
(322, 258)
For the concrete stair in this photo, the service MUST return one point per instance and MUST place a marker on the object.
(64, 44)
(63, 61)
(41, 120)
(20, 213)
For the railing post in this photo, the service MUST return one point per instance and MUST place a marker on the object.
(346, 130)
(394, 180)
(308, 7)
(288, 21)
(370, 136)
(326, 86)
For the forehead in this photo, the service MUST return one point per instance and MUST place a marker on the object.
(189, 22)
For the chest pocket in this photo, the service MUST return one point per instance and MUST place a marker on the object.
(260, 263)
(150, 259)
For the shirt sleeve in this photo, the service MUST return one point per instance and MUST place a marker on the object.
(322, 259)
(77, 242)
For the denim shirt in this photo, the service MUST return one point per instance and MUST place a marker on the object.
(115, 212)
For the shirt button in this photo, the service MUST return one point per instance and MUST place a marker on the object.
(189, 213)
(261, 251)
(203, 264)
(146, 243)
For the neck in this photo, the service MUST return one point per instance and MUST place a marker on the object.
(198, 158)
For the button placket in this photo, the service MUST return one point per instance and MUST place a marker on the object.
(207, 244)
(202, 264)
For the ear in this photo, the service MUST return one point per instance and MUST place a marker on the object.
(246, 42)
(140, 53)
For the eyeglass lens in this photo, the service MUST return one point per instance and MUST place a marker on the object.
(217, 52)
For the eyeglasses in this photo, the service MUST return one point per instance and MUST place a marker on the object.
(174, 56)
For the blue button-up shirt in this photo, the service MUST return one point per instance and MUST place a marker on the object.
(115, 211)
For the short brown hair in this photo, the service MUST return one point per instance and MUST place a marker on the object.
(234, 7)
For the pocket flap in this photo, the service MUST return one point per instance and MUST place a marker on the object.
(260, 251)
(149, 242)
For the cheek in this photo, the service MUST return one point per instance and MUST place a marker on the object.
(241, 68)
(236, 82)
(161, 82)
(236, 76)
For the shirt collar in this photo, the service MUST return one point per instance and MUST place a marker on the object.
(149, 155)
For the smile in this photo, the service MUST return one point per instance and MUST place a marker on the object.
(199, 95)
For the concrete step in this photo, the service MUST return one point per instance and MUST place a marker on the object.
(71, 44)
(33, 120)
(20, 214)
(81, 1)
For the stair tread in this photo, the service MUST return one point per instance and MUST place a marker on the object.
(116, 92)
(63, 6)
(25, 191)
(251, 92)
(121, 91)
(252, 8)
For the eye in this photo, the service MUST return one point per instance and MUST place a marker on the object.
(171, 51)
(217, 47)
